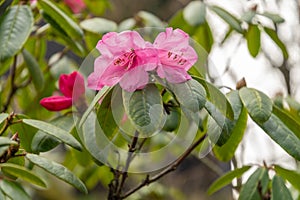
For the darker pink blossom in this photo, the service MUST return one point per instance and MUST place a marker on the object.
(71, 86)
(175, 54)
(125, 59)
(75, 5)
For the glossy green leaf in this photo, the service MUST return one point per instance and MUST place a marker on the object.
(15, 27)
(279, 190)
(227, 179)
(22, 173)
(98, 25)
(63, 35)
(273, 35)
(189, 94)
(13, 190)
(194, 13)
(5, 141)
(264, 182)
(227, 151)
(249, 189)
(96, 99)
(58, 171)
(43, 142)
(258, 104)
(292, 123)
(283, 136)
(145, 109)
(228, 18)
(204, 36)
(105, 117)
(62, 19)
(34, 70)
(253, 39)
(216, 97)
(291, 176)
(248, 16)
(3, 117)
(55, 131)
(274, 17)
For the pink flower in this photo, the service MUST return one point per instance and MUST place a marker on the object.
(175, 54)
(71, 86)
(125, 59)
(75, 5)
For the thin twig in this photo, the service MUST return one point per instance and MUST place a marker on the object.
(167, 170)
(132, 149)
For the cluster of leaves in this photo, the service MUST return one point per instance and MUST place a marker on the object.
(25, 32)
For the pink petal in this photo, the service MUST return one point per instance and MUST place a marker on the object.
(114, 44)
(170, 39)
(147, 58)
(134, 79)
(67, 83)
(173, 74)
(56, 103)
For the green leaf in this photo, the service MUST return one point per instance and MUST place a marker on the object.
(149, 20)
(4, 141)
(96, 99)
(13, 190)
(25, 132)
(22, 173)
(248, 16)
(291, 176)
(105, 117)
(204, 36)
(3, 117)
(194, 13)
(227, 151)
(226, 179)
(264, 182)
(228, 18)
(62, 19)
(279, 190)
(63, 37)
(292, 123)
(274, 17)
(145, 109)
(216, 97)
(43, 142)
(249, 189)
(258, 104)
(253, 39)
(55, 131)
(273, 35)
(58, 171)
(190, 94)
(177, 21)
(98, 25)
(34, 70)
(15, 27)
(283, 136)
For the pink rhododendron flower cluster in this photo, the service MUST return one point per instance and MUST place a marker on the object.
(66, 86)
(126, 58)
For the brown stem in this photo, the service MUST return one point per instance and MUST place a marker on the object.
(167, 170)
